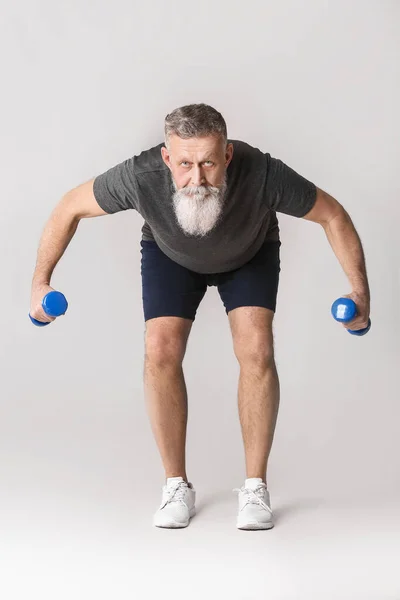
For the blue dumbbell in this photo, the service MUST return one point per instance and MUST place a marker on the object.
(344, 310)
(54, 304)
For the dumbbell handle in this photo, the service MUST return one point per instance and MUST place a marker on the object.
(54, 304)
(344, 310)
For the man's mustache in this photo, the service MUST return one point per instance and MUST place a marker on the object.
(200, 190)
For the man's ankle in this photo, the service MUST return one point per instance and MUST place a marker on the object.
(256, 476)
(176, 474)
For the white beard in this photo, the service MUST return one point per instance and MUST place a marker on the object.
(199, 214)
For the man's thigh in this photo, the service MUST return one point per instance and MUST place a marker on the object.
(168, 289)
(255, 284)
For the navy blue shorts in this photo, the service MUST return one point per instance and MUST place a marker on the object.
(170, 290)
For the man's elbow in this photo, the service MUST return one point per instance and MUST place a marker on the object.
(325, 209)
(67, 207)
(80, 202)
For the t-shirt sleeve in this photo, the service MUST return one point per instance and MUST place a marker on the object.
(116, 188)
(287, 191)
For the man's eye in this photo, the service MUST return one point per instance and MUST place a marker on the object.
(210, 162)
(184, 163)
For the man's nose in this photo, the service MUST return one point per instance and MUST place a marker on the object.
(197, 177)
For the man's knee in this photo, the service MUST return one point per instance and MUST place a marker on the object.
(255, 353)
(252, 335)
(165, 341)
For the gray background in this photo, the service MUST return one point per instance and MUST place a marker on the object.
(86, 85)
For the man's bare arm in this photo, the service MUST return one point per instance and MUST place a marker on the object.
(346, 244)
(77, 204)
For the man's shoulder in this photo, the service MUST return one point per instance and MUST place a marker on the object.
(149, 161)
(247, 156)
(243, 146)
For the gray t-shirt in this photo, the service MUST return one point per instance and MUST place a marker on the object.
(258, 187)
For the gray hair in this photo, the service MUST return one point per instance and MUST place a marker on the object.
(195, 120)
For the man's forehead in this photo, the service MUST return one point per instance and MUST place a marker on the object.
(205, 147)
(190, 153)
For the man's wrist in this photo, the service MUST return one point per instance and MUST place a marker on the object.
(38, 281)
(362, 293)
(360, 286)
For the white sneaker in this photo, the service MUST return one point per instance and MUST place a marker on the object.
(254, 505)
(177, 505)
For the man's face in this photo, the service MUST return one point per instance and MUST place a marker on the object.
(198, 168)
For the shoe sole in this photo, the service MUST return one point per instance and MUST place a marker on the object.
(176, 524)
(255, 525)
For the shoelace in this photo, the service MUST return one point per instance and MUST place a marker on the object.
(252, 497)
(176, 493)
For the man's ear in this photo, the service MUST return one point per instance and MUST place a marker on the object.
(165, 156)
(228, 153)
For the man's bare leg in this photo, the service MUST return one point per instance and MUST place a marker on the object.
(165, 389)
(258, 391)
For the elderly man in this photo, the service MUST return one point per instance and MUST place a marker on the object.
(209, 206)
